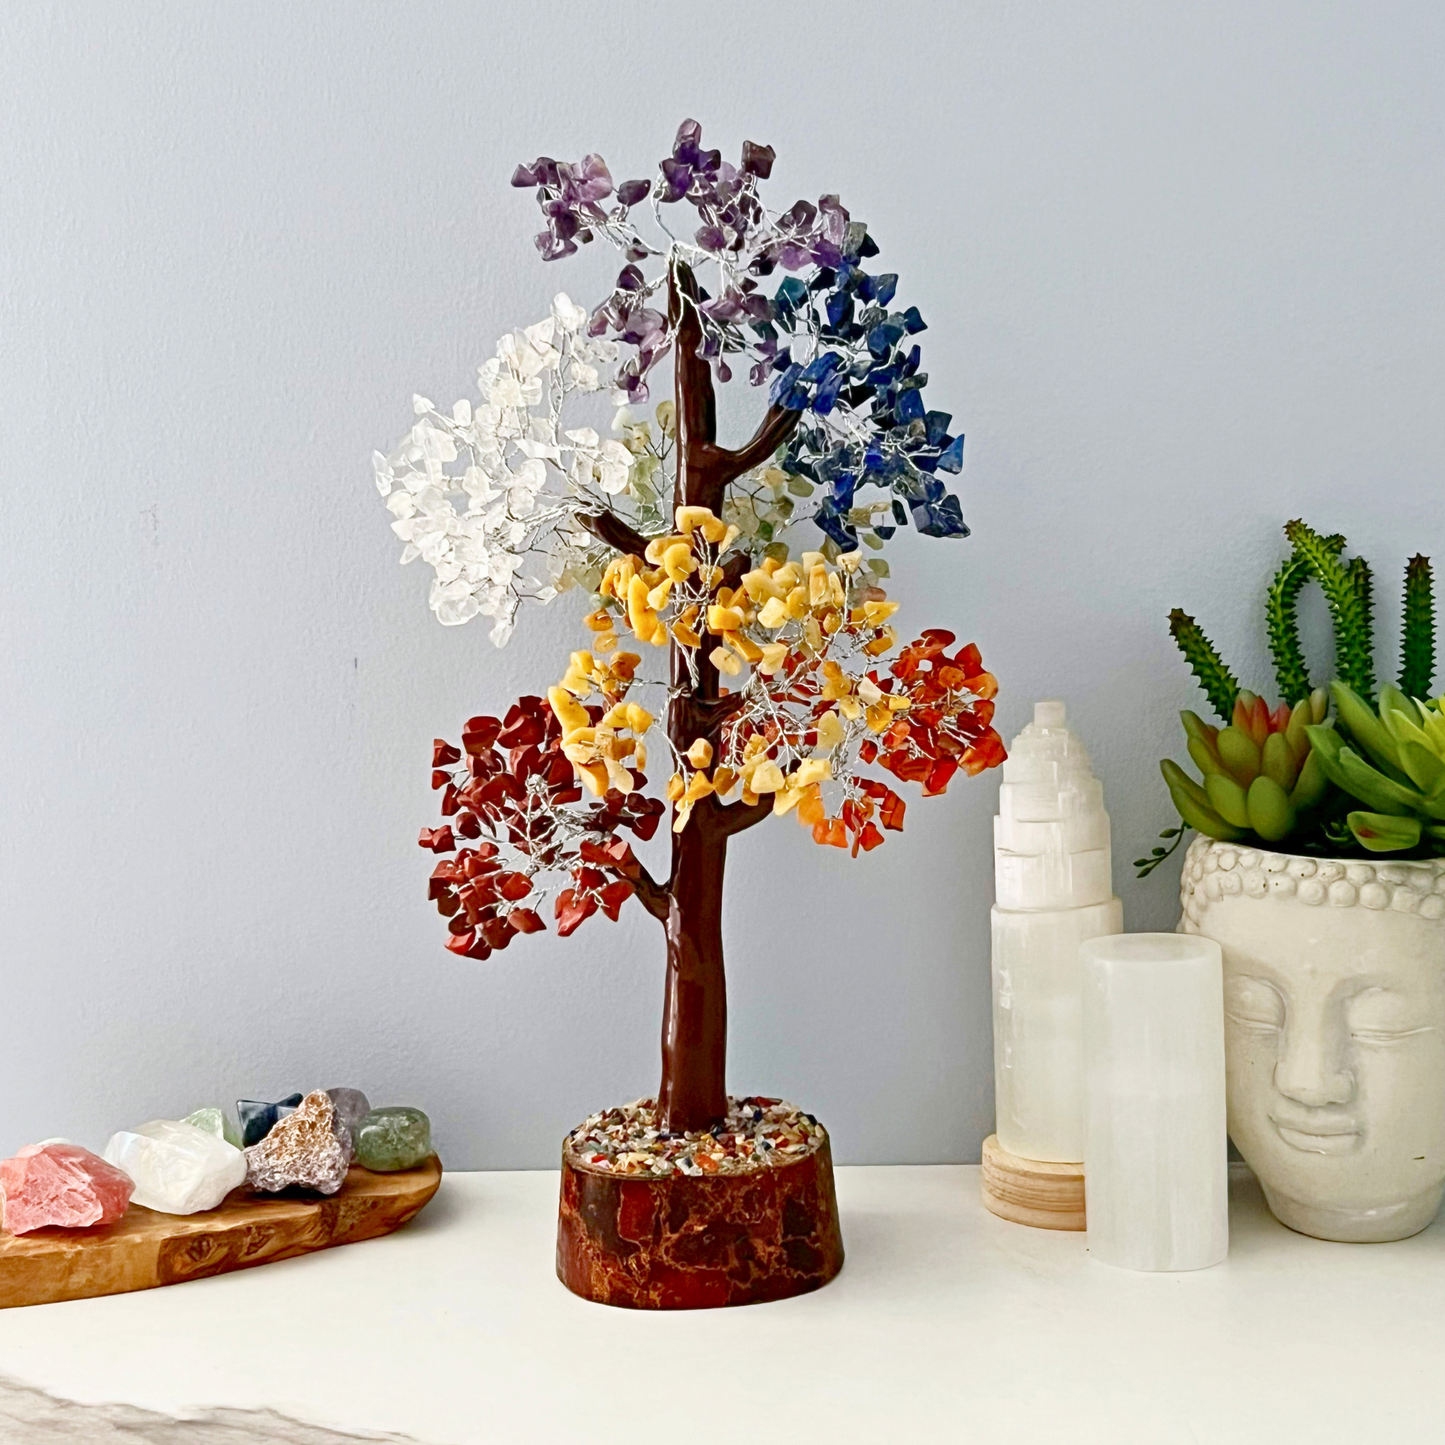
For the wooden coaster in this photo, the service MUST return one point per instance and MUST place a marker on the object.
(146, 1249)
(1031, 1191)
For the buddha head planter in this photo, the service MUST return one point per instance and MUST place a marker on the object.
(1334, 996)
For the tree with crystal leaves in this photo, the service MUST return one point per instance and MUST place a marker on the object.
(777, 692)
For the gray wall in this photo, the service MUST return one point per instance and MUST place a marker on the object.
(1182, 265)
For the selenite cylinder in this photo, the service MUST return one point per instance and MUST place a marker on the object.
(1155, 1149)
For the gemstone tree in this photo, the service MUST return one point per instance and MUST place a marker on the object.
(784, 679)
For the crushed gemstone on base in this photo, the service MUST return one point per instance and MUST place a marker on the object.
(757, 1133)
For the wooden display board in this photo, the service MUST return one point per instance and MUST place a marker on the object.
(146, 1249)
(1031, 1191)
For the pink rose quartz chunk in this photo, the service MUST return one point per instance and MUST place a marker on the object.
(61, 1184)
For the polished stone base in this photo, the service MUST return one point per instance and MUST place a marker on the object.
(689, 1242)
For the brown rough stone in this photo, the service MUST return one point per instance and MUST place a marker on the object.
(310, 1148)
(685, 1241)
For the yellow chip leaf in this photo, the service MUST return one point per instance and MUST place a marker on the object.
(725, 661)
(774, 655)
(811, 771)
(745, 647)
(830, 733)
(700, 753)
(774, 613)
(759, 586)
(594, 775)
(767, 778)
(567, 712)
(724, 619)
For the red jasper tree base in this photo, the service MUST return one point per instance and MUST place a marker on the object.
(686, 1242)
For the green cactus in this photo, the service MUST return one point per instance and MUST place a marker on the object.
(1417, 644)
(1283, 623)
(1347, 590)
(1219, 684)
(1282, 620)
(1393, 761)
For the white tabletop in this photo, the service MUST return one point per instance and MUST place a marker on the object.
(946, 1323)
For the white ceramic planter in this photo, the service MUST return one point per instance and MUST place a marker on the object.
(1334, 1001)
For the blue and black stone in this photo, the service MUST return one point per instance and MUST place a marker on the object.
(259, 1118)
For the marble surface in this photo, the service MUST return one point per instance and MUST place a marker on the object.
(946, 1323)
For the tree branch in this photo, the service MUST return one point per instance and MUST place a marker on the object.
(654, 897)
(608, 527)
(738, 817)
(734, 567)
(774, 429)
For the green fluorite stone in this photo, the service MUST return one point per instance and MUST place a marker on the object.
(217, 1122)
(394, 1138)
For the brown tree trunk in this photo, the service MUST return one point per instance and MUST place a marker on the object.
(693, 1091)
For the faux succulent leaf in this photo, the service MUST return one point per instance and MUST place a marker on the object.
(1358, 719)
(1228, 798)
(1312, 784)
(1180, 782)
(1202, 818)
(1383, 832)
(1239, 752)
(1278, 761)
(1270, 813)
(1348, 770)
(1425, 768)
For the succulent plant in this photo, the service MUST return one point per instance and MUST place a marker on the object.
(1289, 773)
(1396, 769)
(1260, 773)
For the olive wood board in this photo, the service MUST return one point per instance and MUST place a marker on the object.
(145, 1249)
(1032, 1191)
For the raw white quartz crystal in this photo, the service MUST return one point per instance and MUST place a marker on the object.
(1155, 1151)
(177, 1168)
(1052, 873)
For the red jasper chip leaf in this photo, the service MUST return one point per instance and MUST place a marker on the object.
(617, 855)
(451, 801)
(939, 777)
(469, 825)
(988, 753)
(890, 813)
(440, 778)
(497, 932)
(461, 942)
(572, 909)
(439, 840)
(868, 839)
(526, 920)
(480, 733)
(513, 886)
(614, 896)
(524, 726)
(443, 753)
